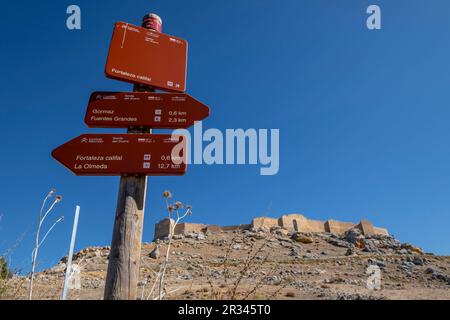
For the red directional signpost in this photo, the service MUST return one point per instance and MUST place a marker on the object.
(151, 60)
(132, 48)
(121, 154)
(143, 109)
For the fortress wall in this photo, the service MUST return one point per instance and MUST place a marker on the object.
(264, 222)
(214, 228)
(237, 227)
(162, 228)
(366, 227)
(381, 231)
(189, 227)
(290, 221)
(179, 229)
(298, 222)
(307, 225)
(338, 227)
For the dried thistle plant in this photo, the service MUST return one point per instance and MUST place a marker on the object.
(247, 272)
(43, 214)
(173, 211)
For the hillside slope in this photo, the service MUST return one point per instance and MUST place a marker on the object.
(263, 264)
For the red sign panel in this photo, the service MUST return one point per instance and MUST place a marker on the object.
(121, 154)
(143, 109)
(143, 56)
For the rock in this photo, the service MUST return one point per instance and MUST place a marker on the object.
(302, 238)
(369, 247)
(441, 277)
(236, 247)
(437, 275)
(195, 235)
(350, 252)
(155, 254)
(310, 256)
(430, 270)
(373, 243)
(338, 243)
(286, 243)
(258, 235)
(378, 263)
(190, 235)
(273, 280)
(185, 277)
(418, 261)
(281, 232)
(411, 248)
(355, 237)
(263, 230)
(319, 271)
(216, 274)
(383, 241)
(293, 253)
(356, 296)
(201, 236)
(407, 265)
(336, 280)
(178, 236)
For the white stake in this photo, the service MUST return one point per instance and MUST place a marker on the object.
(69, 259)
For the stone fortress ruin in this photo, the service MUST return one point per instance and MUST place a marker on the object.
(290, 222)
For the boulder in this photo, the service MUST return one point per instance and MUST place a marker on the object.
(418, 261)
(350, 251)
(302, 238)
(236, 247)
(355, 237)
(338, 243)
(411, 248)
(155, 254)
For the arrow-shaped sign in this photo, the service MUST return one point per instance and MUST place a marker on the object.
(144, 109)
(144, 56)
(121, 154)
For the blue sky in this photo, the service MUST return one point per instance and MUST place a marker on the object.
(363, 115)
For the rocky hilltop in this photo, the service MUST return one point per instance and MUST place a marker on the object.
(264, 263)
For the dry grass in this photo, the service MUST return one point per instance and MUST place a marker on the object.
(244, 280)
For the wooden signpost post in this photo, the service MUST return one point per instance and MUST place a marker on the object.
(149, 59)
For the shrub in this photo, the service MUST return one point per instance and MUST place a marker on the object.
(4, 270)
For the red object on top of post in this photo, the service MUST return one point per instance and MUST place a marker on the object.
(152, 21)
